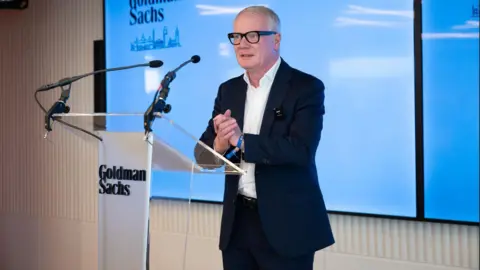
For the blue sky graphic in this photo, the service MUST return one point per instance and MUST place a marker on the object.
(451, 109)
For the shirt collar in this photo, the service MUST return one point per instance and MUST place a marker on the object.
(269, 76)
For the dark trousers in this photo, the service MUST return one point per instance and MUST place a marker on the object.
(249, 249)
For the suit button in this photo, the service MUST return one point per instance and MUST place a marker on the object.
(266, 161)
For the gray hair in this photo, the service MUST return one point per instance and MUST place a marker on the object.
(269, 13)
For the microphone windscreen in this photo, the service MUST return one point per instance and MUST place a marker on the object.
(195, 59)
(155, 63)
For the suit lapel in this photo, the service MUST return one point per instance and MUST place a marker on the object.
(278, 91)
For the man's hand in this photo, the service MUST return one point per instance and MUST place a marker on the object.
(221, 142)
(228, 129)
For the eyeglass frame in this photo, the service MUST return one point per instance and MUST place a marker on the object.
(244, 35)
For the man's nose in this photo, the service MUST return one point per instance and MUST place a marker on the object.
(244, 44)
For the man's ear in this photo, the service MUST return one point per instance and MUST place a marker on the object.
(276, 41)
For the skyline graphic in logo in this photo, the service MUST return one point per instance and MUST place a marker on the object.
(151, 43)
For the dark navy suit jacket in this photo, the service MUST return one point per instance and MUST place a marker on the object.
(290, 202)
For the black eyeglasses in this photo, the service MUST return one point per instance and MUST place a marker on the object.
(252, 36)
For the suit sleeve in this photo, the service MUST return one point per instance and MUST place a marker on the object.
(300, 145)
(202, 156)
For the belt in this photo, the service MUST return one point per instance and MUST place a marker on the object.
(247, 201)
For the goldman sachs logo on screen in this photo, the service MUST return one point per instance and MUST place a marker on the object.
(147, 11)
(119, 187)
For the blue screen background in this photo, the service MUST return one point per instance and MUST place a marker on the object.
(362, 51)
(451, 110)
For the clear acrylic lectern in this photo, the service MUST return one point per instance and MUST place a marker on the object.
(126, 161)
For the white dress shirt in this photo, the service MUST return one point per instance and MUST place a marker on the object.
(255, 103)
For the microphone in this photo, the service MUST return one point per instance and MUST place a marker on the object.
(278, 112)
(66, 81)
(159, 104)
(60, 106)
(172, 75)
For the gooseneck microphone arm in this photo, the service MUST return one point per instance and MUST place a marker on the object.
(159, 104)
(60, 106)
(70, 80)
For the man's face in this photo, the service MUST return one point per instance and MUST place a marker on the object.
(257, 55)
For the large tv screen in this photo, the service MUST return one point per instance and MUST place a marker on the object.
(362, 51)
(451, 110)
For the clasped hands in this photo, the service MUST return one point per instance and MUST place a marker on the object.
(227, 130)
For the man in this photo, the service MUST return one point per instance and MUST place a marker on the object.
(269, 120)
